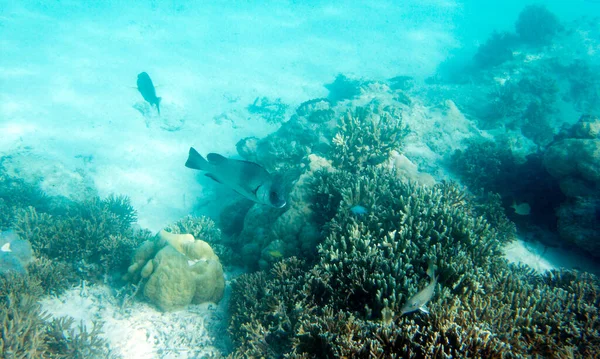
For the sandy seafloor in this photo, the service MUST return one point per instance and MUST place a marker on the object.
(71, 117)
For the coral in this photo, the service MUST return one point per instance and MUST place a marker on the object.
(272, 111)
(66, 340)
(178, 270)
(317, 110)
(171, 284)
(484, 165)
(496, 50)
(584, 84)
(22, 327)
(205, 228)
(578, 221)
(269, 236)
(574, 158)
(537, 26)
(343, 88)
(346, 304)
(15, 192)
(367, 137)
(94, 233)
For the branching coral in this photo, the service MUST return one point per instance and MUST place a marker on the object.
(95, 235)
(367, 137)
(496, 50)
(537, 26)
(66, 340)
(22, 327)
(347, 304)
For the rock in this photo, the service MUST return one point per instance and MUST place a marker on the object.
(587, 127)
(578, 222)
(574, 158)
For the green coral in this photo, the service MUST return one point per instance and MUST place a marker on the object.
(484, 165)
(28, 332)
(347, 303)
(366, 137)
(95, 235)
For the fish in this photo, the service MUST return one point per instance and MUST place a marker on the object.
(246, 178)
(420, 300)
(522, 209)
(6, 247)
(359, 210)
(146, 88)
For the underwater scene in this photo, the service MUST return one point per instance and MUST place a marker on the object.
(299, 179)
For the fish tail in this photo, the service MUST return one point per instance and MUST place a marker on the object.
(196, 161)
(431, 269)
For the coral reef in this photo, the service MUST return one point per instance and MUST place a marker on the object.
(496, 50)
(269, 235)
(95, 235)
(343, 88)
(366, 137)
(346, 303)
(28, 332)
(537, 26)
(574, 160)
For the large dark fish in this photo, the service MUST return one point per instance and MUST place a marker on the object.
(146, 88)
(246, 178)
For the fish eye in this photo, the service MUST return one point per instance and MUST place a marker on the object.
(273, 196)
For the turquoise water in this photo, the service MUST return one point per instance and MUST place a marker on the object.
(439, 153)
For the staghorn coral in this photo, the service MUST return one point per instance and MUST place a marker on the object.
(367, 137)
(496, 50)
(22, 327)
(346, 303)
(484, 164)
(75, 342)
(94, 235)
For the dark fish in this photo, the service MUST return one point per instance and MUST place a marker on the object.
(246, 178)
(146, 88)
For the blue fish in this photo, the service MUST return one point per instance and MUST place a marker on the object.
(359, 210)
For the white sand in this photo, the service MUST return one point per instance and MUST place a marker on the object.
(68, 77)
(138, 330)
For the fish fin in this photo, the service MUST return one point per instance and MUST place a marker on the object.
(424, 309)
(158, 104)
(196, 161)
(211, 176)
(6, 247)
(255, 191)
(215, 159)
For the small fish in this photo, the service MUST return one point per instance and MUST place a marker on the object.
(246, 178)
(419, 300)
(359, 210)
(522, 209)
(6, 247)
(146, 88)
